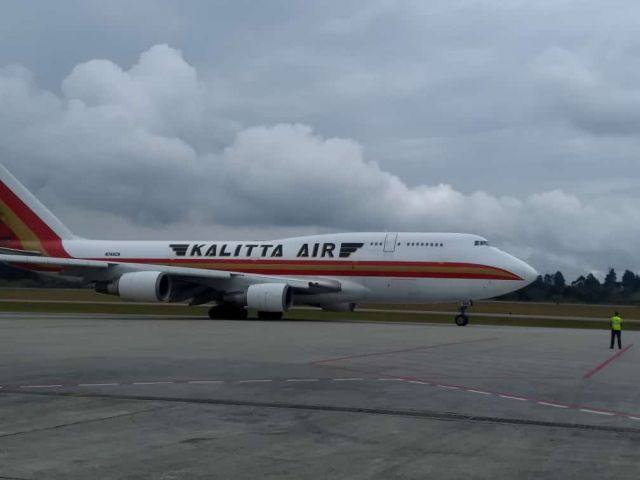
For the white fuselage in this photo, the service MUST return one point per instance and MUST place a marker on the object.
(371, 267)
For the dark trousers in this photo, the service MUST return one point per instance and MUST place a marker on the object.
(614, 334)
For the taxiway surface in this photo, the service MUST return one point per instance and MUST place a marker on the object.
(131, 397)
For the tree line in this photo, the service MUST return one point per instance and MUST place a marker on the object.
(586, 288)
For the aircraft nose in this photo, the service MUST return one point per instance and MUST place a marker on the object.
(525, 271)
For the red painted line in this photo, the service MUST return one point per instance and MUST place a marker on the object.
(604, 364)
(391, 352)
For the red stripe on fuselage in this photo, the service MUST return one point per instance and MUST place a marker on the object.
(342, 268)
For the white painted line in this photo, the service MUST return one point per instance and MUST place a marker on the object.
(390, 379)
(205, 381)
(302, 379)
(634, 418)
(478, 391)
(421, 383)
(552, 405)
(151, 383)
(347, 379)
(586, 410)
(254, 381)
(97, 384)
(40, 386)
(513, 398)
(448, 387)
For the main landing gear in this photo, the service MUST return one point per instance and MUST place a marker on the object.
(234, 312)
(270, 315)
(227, 312)
(462, 319)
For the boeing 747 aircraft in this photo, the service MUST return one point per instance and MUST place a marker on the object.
(332, 272)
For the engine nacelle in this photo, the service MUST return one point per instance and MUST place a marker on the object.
(269, 297)
(140, 287)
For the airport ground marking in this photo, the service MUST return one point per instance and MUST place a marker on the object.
(556, 405)
(511, 397)
(98, 384)
(597, 412)
(343, 379)
(40, 386)
(606, 363)
(478, 391)
(404, 350)
(152, 383)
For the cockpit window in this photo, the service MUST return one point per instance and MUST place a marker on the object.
(481, 242)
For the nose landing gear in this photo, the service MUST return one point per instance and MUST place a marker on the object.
(462, 319)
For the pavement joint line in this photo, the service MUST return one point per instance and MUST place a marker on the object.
(478, 391)
(553, 405)
(597, 412)
(510, 397)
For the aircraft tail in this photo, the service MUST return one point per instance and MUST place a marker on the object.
(25, 223)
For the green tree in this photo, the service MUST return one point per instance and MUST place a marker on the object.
(629, 282)
(559, 283)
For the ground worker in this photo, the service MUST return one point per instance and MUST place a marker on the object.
(616, 329)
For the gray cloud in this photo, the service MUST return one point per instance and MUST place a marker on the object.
(517, 121)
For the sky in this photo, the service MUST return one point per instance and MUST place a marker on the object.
(517, 120)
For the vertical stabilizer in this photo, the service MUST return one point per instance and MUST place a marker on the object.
(25, 223)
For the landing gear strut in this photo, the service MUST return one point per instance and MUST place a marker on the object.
(227, 312)
(462, 319)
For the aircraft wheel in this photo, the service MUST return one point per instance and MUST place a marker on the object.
(461, 320)
(270, 315)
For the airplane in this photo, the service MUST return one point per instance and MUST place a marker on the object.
(334, 272)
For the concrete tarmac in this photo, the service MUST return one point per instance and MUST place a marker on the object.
(141, 397)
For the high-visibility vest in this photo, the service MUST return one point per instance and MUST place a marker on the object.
(616, 323)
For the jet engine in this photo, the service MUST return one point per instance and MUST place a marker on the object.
(269, 297)
(139, 287)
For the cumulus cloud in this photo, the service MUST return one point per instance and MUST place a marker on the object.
(148, 145)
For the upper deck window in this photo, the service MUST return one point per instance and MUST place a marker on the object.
(481, 242)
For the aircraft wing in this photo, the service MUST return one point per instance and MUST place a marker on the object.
(101, 270)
